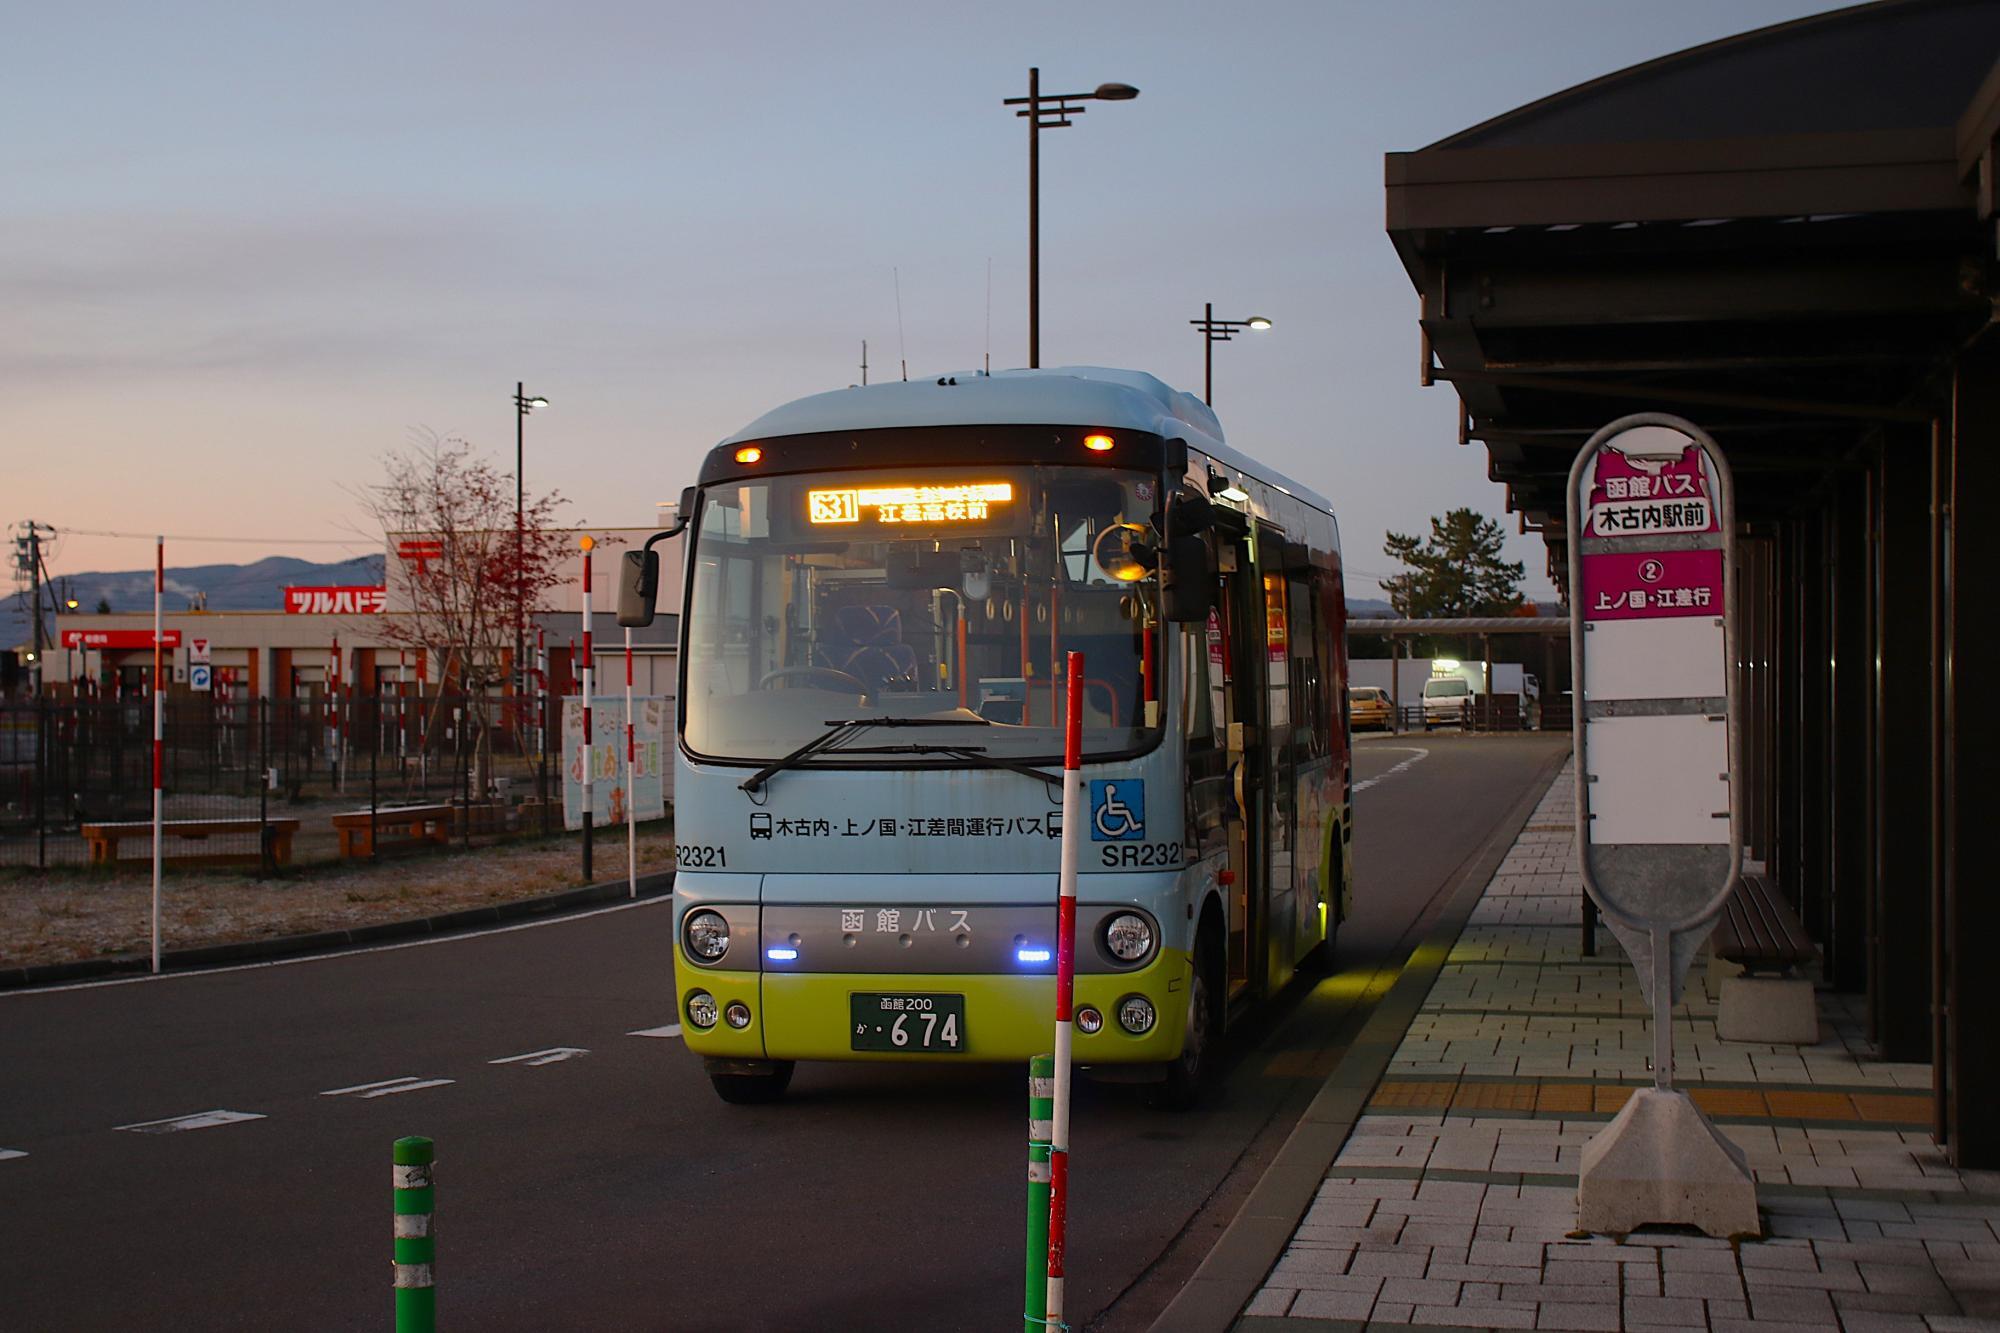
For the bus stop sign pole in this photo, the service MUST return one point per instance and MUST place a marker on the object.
(1659, 816)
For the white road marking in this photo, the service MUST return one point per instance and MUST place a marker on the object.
(9, 1154)
(1416, 756)
(199, 1120)
(670, 1030)
(553, 1055)
(388, 1087)
(424, 943)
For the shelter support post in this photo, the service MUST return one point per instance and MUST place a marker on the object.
(1850, 826)
(1900, 989)
(1396, 683)
(1971, 917)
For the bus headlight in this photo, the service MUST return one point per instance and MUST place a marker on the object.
(707, 935)
(1135, 1015)
(701, 1010)
(1129, 937)
(737, 1014)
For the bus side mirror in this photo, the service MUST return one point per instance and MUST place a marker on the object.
(1187, 563)
(1188, 578)
(638, 587)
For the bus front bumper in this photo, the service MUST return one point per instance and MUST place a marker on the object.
(806, 1016)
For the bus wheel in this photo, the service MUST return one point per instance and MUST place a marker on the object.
(739, 1085)
(1189, 1075)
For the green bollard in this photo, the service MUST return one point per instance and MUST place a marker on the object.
(416, 1247)
(1041, 1110)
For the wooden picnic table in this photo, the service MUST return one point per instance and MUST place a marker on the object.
(402, 824)
(104, 839)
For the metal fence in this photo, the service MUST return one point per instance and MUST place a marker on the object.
(274, 781)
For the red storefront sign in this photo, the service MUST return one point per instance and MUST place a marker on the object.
(344, 600)
(118, 638)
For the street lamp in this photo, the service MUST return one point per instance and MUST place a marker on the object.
(1215, 331)
(1050, 112)
(523, 405)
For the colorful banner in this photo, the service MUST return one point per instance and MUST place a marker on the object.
(652, 719)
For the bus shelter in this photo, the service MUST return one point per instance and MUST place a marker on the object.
(1788, 236)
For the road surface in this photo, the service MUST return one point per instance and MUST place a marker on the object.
(587, 1173)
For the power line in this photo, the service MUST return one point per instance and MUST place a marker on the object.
(188, 537)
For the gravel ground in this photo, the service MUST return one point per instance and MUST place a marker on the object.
(64, 915)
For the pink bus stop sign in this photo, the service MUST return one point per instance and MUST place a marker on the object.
(1650, 539)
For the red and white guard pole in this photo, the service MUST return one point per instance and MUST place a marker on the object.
(336, 739)
(159, 731)
(589, 662)
(1072, 817)
(631, 781)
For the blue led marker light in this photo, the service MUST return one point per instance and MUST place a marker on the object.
(1032, 955)
(781, 955)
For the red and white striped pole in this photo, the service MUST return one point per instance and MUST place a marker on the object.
(159, 732)
(589, 661)
(333, 733)
(541, 691)
(631, 780)
(423, 716)
(1072, 817)
(402, 706)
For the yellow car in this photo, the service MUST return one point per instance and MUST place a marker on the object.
(1368, 708)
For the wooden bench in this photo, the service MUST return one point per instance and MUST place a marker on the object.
(104, 839)
(395, 825)
(1769, 1001)
(1759, 932)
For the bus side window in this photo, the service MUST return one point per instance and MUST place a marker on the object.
(1207, 760)
(1311, 721)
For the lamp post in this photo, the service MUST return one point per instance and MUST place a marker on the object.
(1048, 112)
(523, 405)
(1215, 331)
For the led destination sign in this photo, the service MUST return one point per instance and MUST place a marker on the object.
(970, 502)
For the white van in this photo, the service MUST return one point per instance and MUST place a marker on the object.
(1447, 700)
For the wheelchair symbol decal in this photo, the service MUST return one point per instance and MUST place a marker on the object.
(1118, 810)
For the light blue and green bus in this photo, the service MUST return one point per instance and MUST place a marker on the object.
(880, 587)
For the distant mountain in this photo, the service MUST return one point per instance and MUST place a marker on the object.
(258, 586)
(1372, 607)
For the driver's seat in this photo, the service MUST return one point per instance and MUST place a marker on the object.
(866, 642)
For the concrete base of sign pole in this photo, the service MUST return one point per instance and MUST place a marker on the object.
(1661, 1162)
(1776, 1011)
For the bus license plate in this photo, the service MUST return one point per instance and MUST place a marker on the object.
(927, 1024)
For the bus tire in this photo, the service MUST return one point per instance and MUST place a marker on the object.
(1318, 960)
(1191, 1073)
(756, 1089)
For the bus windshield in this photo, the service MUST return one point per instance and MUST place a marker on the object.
(947, 594)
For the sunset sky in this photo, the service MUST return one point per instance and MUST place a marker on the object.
(246, 250)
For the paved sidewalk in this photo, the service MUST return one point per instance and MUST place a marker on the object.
(1452, 1202)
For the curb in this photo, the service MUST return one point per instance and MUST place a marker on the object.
(1257, 1236)
(331, 941)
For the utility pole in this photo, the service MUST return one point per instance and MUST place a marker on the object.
(28, 560)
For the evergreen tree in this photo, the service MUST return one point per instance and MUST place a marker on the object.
(1456, 571)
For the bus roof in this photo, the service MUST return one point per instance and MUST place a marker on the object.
(1059, 396)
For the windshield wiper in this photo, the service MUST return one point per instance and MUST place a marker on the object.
(972, 754)
(840, 728)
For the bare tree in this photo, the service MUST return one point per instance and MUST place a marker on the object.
(463, 595)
